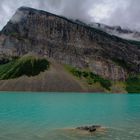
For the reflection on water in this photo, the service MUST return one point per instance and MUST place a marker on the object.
(53, 116)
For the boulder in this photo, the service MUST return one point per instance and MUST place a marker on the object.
(92, 128)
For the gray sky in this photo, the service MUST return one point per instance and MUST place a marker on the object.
(125, 13)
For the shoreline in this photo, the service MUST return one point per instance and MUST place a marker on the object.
(48, 92)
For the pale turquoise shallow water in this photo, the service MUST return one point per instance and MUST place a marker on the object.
(45, 116)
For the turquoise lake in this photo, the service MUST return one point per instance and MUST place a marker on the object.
(49, 116)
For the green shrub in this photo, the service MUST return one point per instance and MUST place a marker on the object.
(85, 74)
(105, 83)
(77, 73)
(90, 77)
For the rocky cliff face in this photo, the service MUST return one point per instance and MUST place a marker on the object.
(67, 42)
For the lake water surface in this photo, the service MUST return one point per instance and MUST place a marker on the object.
(49, 116)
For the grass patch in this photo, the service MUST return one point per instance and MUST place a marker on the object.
(133, 84)
(28, 65)
(90, 77)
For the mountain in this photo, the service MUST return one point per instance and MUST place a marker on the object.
(117, 31)
(65, 42)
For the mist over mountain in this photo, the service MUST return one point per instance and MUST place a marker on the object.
(117, 31)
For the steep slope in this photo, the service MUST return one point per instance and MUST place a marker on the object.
(70, 43)
(55, 79)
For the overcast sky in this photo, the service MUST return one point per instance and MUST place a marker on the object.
(125, 13)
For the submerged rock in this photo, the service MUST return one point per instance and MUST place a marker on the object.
(92, 128)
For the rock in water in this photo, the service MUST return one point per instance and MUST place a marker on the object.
(92, 128)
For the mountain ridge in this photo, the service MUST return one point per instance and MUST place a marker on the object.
(80, 23)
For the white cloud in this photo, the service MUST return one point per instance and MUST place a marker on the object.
(112, 12)
(100, 12)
